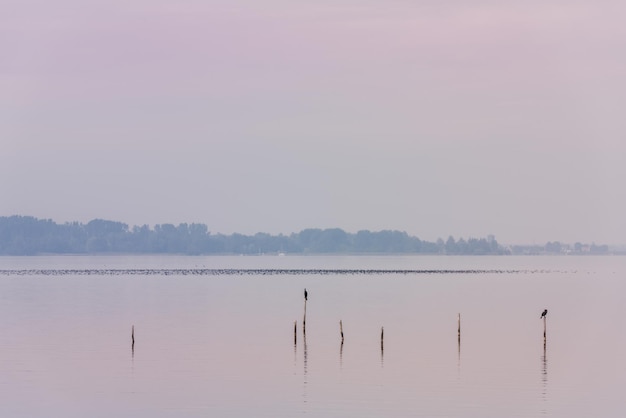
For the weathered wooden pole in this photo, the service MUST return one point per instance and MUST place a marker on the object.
(341, 330)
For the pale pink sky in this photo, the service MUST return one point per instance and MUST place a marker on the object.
(437, 118)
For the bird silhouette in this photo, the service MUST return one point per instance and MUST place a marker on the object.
(306, 294)
(544, 313)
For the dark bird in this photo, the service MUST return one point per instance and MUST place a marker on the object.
(544, 313)
(305, 294)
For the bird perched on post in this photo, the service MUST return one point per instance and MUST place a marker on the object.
(544, 313)
(306, 295)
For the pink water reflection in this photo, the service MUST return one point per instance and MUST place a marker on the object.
(223, 346)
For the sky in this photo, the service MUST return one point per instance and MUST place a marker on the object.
(436, 118)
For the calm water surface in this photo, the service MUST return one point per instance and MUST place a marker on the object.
(214, 337)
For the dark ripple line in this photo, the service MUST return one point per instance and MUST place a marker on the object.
(253, 272)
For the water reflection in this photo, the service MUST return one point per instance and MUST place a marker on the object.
(341, 356)
(382, 347)
(295, 350)
(132, 344)
(544, 365)
(183, 329)
(544, 380)
(305, 375)
(458, 359)
(341, 345)
(306, 380)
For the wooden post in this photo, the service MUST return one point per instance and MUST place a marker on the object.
(341, 330)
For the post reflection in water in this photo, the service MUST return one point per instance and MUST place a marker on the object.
(382, 347)
(132, 344)
(341, 346)
(458, 359)
(304, 392)
(295, 354)
(341, 356)
(544, 380)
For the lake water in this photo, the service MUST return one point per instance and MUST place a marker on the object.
(214, 336)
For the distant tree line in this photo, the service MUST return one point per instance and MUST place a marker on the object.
(556, 247)
(26, 235)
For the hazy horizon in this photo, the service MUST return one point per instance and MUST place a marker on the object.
(433, 118)
(456, 238)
